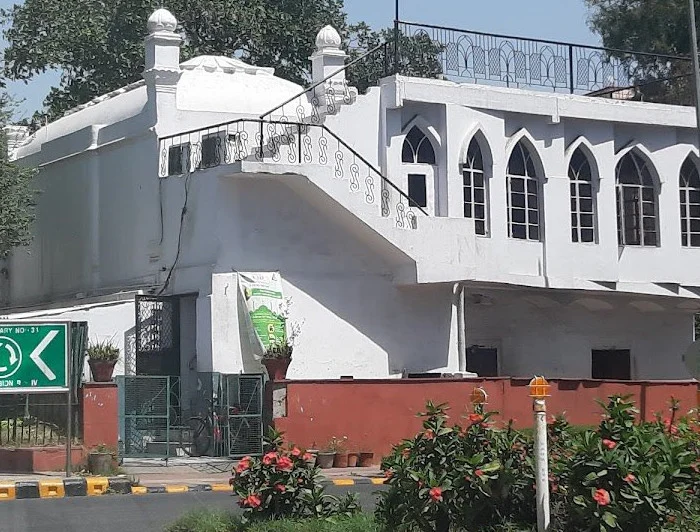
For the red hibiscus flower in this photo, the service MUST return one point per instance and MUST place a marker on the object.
(269, 458)
(602, 497)
(388, 473)
(296, 452)
(281, 488)
(252, 501)
(475, 418)
(479, 473)
(243, 464)
(630, 478)
(429, 434)
(307, 457)
(436, 494)
(609, 444)
(284, 463)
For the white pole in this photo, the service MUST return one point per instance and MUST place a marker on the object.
(541, 466)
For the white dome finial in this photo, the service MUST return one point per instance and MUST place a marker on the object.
(161, 20)
(328, 37)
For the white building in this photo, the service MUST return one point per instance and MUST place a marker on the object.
(514, 264)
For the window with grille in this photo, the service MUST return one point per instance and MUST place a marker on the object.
(178, 159)
(474, 187)
(636, 203)
(211, 151)
(417, 148)
(690, 204)
(581, 185)
(523, 195)
(417, 190)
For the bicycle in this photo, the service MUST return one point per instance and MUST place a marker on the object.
(197, 436)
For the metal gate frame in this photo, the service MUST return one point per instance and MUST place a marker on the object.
(146, 414)
(157, 331)
(243, 400)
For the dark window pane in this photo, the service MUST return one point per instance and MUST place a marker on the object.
(210, 151)
(517, 185)
(648, 194)
(649, 224)
(574, 207)
(572, 189)
(532, 200)
(649, 239)
(480, 227)
(694, 211)
(467, 194)
(682, 196)
(417, 190)
(474, 155)
(585, 190)
(478, 180)
(574, 219)
(695, 226)
(684, 225)
(466, 178)
(586, 220)
(531, 167)
(426, 153)
(587, 235)
(648, 209)
(518, 231)
(684, 211)
(533, 217)
(467, 210)
(694, 196)
(694, 241)
(611, 364)
(574, 235)
(586, 205)
(407, 153)
(516, 163)
(479, 195)
(175, 159)
(479, 212)
(518, 215)
(518, 200)
(684, 239)
(532, 186)
(533, 233)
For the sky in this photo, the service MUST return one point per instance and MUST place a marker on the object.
(563, 20)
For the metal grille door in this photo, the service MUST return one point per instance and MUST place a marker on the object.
(243, 397)
(157, 335)
(145, 415)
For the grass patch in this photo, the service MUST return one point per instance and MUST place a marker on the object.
(211, 521)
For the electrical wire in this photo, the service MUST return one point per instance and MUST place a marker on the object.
(183, 213)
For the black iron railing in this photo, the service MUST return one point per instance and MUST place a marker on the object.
(289, 143)
(519, 62)
(35, 420)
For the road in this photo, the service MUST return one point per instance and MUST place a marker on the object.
(142, 513)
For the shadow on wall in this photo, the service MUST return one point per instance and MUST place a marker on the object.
(250, 348)
(352, 310)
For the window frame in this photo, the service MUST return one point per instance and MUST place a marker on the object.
(576, 197)
(685, 191)
(632, 195)
(185, 152)
(473, 173)
(529, 165)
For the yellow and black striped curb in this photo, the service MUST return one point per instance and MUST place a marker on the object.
(95, 486)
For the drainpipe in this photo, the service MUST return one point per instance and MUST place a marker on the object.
(461, 328)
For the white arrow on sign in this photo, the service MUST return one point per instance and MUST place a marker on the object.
(36, 355)
(13, 356)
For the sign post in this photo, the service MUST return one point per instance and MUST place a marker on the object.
(539, 388)
(35, 358)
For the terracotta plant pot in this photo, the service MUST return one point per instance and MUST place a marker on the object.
(276, 368)
(100, 463)
(325, 460)
(341, 459)
(353, 459)
(366, 459)
(101, 370)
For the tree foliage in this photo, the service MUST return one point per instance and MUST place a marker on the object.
(98, 45)
(655, 26)
(18, 197)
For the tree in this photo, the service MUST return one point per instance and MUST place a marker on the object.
(98, 45)
(654, 26)
(18, 197)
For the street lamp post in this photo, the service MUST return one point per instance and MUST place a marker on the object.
(539, 390)
(696, 62)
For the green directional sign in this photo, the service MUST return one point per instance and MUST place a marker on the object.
(34, 356)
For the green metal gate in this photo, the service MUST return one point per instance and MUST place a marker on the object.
(147, 411)
(242, 396)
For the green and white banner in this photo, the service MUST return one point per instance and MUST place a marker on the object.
(266, 305)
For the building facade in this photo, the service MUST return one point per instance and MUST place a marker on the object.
(423, 226)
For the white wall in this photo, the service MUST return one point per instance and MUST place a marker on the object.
(541, 333)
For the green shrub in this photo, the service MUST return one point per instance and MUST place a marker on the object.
(205, 521)
(283, 484)
(627, 475)
(454, 477)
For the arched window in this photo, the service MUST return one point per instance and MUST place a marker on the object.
(523, 195)
(582, 198)
(417, 148)
(636, 202)
(418, 156)
(690, 204)
(474, 187)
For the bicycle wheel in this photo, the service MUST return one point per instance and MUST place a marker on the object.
(195, 438)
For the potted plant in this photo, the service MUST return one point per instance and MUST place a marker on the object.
(325, 458)
(278, 355)
(341, 454)
(353, 458)
(366, 458)
(314, 455)
(102, 357)
(101, 460)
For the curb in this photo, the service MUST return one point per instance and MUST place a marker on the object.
(97, 486)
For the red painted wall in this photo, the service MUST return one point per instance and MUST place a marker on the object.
(100, 404)
(377, 414)
(28, 460)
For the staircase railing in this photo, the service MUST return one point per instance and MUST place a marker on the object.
(291, 143)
